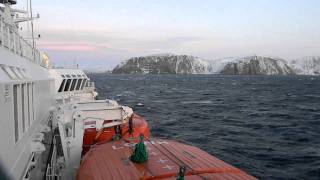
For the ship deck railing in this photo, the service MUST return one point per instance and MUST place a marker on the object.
(52, 171)
(11, 40)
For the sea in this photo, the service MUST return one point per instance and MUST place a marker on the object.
(268, 126)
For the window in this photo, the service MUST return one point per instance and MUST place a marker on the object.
(83, 83)
(22, 72)
(62, 85)
(15, 71)
(66, 88)
(32, 101)
(25, 114)
(22, 108)
(73, 85)
(26, 73)
(19, 71)
(28, 104)
(15, 112)
(78, 84)
(9, 72)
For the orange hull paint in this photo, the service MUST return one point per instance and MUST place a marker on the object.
(111, 161)
(92, 136)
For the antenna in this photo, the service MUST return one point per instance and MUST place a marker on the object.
(32, 33)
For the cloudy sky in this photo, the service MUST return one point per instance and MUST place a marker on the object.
(101, 33)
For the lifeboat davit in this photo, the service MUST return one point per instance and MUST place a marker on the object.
(129, 131)
(165, 158)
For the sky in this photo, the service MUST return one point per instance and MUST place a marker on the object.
(100, 34)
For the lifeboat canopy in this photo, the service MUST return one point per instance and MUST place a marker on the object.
(166, 160)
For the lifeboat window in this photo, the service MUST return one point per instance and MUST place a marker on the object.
(62, 85)
(79, 84)
(15, 112)
(66, 88)
(83, 83)
(73, 85)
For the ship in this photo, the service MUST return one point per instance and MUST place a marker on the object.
(53, 127)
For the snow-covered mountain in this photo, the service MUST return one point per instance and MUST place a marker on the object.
(249, 65)
(163, 64)
(306, 66)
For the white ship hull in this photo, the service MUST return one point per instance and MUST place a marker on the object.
(37, 90)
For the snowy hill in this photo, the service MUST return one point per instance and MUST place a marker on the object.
(306, 66)
(163, 64)
(249, 65)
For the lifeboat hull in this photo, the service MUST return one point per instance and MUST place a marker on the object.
(92, 136)
(111, 161)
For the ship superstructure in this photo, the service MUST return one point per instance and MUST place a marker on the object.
(30, 92)
(52, 125)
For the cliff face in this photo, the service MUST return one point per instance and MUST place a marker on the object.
(163, 64)
(256, 65)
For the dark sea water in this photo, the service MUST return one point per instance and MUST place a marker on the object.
(268, 126)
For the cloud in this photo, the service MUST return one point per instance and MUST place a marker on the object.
(66, 46)
(125, 44)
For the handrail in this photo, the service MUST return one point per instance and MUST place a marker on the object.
(11, 40)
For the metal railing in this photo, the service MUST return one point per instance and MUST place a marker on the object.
(11, 40)
(52, 172)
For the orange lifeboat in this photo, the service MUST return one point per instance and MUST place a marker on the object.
(112, 161)
(129, 131)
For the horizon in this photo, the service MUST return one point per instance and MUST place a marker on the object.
(104, 33)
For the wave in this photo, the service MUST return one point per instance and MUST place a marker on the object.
(197, 102)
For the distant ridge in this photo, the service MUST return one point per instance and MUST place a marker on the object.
(249, 65)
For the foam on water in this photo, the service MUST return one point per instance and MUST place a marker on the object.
(196, 102)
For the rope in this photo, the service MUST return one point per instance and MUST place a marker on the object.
(196, 172)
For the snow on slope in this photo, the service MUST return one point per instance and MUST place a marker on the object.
(306, 66)
(250, 65)
(163, 64)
